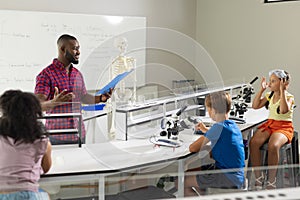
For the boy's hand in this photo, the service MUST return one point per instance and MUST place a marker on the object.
(201, 126)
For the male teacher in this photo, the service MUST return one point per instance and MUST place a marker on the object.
(61, 89)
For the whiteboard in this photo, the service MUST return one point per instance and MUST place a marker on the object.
(28, 44)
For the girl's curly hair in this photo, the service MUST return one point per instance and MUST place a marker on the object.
(20, 116)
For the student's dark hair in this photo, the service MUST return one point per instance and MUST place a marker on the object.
(219, 101)
(64, 38)
(20, 113)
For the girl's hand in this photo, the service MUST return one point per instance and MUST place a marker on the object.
(264, 83)
(283, 84)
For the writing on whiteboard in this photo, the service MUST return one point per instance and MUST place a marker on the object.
(28, 44)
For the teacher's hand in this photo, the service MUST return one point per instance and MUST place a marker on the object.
(63, 96)
(106, 96)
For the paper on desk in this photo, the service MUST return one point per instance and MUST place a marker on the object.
(113, 83)
(165, 142)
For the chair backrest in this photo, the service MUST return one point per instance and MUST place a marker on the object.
(295, 148)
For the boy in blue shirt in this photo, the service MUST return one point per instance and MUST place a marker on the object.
(227, 148)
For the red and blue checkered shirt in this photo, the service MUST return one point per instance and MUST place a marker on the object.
(55, 75)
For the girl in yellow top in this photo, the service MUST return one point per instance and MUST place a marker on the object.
(278, 129)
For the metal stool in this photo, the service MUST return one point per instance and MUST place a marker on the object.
(214, 190)
(144, 193)
(285, 154)
(295, 149)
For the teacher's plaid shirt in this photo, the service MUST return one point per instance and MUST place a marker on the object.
(55, 75)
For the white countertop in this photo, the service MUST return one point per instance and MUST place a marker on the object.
(121, 155)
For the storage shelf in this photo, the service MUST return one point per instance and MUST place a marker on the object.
(141, 119)
(128, 115)
(60, 115)
(179, 97)
(65, 131)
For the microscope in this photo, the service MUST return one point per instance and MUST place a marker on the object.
(170, 129)
(239, 103)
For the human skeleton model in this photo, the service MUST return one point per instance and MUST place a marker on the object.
(120, 65)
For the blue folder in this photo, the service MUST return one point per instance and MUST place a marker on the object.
(113, 83)
(92, 107)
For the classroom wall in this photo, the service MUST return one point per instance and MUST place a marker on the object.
(178, 15)
(247, 38)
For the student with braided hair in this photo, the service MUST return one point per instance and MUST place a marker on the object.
(278, 129)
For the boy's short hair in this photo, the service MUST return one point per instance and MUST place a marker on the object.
(219, 101)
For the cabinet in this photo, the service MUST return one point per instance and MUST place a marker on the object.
(131, 120)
